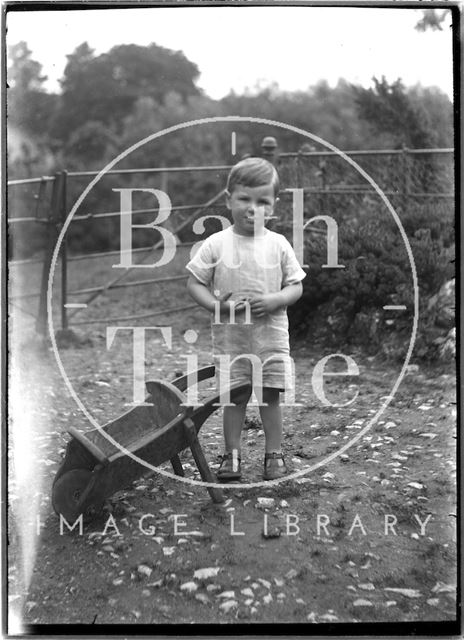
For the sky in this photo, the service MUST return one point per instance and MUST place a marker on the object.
(241, 47)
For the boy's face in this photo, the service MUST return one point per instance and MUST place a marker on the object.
(250, 206)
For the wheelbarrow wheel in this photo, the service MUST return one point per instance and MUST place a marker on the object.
(68, 490)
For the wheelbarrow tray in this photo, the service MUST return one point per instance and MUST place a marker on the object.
(102, 461)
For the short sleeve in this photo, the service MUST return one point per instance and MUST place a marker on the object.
(292, 273)
(203, 263)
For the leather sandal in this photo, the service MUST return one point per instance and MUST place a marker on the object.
(230, 468)
(274, 466)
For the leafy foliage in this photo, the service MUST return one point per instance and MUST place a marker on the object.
(388, 108)
(30, 107)
(346, 305)
(24, 73)
(133, 91)
(105, 88)
(432, 19)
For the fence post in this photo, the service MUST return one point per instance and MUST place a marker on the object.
(164, 178)
(406, 166)
(299, 172)
(52, 236)
(64, 250)
(322, 173)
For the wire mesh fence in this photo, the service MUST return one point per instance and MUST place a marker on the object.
(403, 175)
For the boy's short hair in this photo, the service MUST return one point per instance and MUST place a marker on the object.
(253, 172)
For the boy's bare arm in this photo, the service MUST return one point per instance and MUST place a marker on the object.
(201, 294)
(267, 303)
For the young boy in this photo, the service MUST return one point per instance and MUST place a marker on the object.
(247, 275)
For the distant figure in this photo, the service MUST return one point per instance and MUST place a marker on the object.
(269, 150)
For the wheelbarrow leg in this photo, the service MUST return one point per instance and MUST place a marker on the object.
(177, 466)
(201, 462)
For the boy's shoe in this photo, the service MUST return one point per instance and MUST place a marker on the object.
(274, 466)
(230, 468)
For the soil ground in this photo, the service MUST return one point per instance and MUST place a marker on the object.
(121, 569)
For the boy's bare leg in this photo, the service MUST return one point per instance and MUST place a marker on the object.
(234, 418)
(271, 417)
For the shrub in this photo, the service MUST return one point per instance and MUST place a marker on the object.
(342, 306)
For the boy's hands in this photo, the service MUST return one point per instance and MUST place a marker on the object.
(266, 303)
(225, 305)
(260, 305)
(263, 303)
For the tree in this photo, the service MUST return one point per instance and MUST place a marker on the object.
(105, 88)
(89, 145)
(329, 112)
(388, 109)
(431, 19)
(30, 107)
(24, 73)
(439, 109)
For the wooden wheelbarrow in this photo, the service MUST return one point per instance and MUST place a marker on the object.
(94, 468)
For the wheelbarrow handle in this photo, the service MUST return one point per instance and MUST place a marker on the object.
(235, 394)
(183, 382)
(88, 444)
